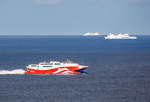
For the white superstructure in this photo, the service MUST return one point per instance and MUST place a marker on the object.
(91, 34)
(51, 65)
(120, 36)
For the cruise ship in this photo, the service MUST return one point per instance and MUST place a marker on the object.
(120, 36)
(91, 34)
(55, 67)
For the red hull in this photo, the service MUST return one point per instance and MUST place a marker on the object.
(60, 70)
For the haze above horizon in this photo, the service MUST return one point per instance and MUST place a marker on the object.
(74, 17)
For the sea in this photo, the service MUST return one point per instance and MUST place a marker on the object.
(118, 70)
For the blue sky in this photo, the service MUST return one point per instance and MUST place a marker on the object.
(74, 17)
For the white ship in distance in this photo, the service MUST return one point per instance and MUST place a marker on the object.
(91, 34)
(120, 36)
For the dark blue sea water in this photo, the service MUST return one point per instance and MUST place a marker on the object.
(119, 70)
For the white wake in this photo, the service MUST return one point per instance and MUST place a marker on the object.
(15, 71)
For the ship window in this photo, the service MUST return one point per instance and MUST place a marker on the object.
(33, 65)
(47, 66)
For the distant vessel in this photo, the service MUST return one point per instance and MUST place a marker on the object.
(55, 67)
(91, 34)
(120, 36)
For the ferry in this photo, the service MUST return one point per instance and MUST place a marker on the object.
(119, 36)
(91, 34)
(55, 67)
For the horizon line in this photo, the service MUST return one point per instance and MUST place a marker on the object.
(56, 34)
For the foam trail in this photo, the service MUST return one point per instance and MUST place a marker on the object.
(15, 71)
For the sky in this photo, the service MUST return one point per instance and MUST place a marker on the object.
(74, 17)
